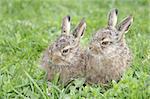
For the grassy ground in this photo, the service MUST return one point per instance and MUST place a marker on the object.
(28, 26)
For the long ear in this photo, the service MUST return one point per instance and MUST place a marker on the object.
(112, 18)
(65, 25)
(79, 30)
(125, 24)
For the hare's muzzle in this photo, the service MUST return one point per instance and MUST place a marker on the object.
(94, 49)
(56, 58)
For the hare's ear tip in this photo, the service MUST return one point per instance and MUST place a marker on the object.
(131, 17)
(116, 10)
(83, 21)
(69, 18)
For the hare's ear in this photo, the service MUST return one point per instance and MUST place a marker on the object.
(65, 25)
(125, 24)
(79, 30)
(112, 18)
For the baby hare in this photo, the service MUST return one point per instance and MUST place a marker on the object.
(108, 53)
(65, 56)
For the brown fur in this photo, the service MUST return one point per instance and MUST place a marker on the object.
(65, 56)
(108, 54)
(106, 58)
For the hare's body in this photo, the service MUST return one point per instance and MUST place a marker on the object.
(108, 65)
(108, 54)
(65, 56)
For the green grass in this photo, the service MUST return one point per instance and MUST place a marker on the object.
(28, 26)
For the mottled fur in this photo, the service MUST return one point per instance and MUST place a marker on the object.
(65, 56)
(106, 58)
(108, 54)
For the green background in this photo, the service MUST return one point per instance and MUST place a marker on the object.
(27, 27)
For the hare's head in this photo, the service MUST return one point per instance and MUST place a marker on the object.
(63, 50)
(107, 39)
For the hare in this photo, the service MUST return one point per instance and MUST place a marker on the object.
(65, 56)
(108, 53)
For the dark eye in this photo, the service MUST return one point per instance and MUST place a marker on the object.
(65, 50)
(105, 42)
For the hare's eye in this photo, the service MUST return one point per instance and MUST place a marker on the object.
(105, 42)
(65, 51)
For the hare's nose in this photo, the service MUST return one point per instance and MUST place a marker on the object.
(92, 47)
(55, 57)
